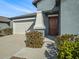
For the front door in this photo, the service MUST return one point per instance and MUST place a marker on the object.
(53, 25)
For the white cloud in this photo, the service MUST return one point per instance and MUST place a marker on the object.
(20, 9)
(15, 7)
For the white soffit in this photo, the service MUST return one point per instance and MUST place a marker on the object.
(24, 19)
(53, 15)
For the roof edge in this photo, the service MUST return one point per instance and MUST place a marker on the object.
(24, 16)
(35, 2)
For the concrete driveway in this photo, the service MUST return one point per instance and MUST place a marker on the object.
(11, 44)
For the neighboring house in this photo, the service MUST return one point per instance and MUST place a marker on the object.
(44, 20)
(48, 19)
(4, 22)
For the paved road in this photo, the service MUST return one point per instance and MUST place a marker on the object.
(11, 44)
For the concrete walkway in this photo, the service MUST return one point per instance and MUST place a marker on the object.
(11, 44)
(48, 51)
(30, 53)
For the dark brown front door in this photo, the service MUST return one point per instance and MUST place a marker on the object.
(53, 25)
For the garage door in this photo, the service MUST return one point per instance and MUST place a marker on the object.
(21, 27)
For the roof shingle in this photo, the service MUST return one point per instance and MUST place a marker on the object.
(4, 19)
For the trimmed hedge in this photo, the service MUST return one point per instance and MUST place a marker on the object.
(34, 39)
(68, 46)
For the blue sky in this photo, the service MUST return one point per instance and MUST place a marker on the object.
(11, 8)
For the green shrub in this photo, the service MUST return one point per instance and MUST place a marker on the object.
(68, 46)
(34, 39)
(7, 31)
